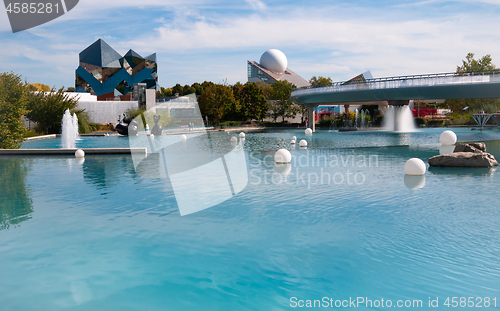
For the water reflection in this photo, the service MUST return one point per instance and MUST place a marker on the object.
(414, 182)
(15, 202)
(105, 171)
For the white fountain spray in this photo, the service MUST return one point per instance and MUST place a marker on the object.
(399, 119)
(69, 131)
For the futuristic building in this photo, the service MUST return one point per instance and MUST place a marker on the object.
(273, 67)
(107, 74)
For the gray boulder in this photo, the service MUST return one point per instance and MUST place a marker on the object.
(471, 147)
(464, 159)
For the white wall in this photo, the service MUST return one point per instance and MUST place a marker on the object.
(104, 112)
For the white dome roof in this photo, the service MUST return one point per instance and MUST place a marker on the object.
(274, 60)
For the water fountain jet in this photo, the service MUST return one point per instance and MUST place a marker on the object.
(69, 130)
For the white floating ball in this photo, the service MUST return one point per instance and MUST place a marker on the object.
(309, 131)
(448, 138)
(79, 153)
(152, 136)
(303, 143)
(415, 167)
(183, 137)
(294, 138)
(234, 139)
(292, 142)
(282, 156)
(242, 135)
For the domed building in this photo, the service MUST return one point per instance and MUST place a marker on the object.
(273, 66)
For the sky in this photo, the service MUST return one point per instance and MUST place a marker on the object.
(198, 41)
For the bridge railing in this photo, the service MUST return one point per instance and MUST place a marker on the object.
(403, 81)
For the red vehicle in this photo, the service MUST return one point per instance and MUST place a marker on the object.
(423, 112)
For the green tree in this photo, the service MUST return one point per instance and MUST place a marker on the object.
(253, 102)
(13, 103)
(178, 89)
(47, 109)
(280, 104)
(320, 80)
(474, 104)
(216, 101)
(186, 90)
(70, 89)
(40, 87)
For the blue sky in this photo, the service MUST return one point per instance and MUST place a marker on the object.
(212, 40)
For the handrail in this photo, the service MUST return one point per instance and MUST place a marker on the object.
(400, 78)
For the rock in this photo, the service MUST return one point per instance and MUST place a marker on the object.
(464, 159)
(471, 147)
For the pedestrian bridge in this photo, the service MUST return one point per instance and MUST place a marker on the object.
(399, 90)
(485, 84)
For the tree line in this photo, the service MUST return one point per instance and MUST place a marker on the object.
(240, 102)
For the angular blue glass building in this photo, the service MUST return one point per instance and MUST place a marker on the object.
(107, 74)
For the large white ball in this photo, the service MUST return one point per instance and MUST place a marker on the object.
(234, 139)
(282, 156)
(303, 143)
(415, 167)
(309, 131)
(79, 153)
(274, 60)
(294, 138)
(448, 138)
(183, 137)
(242, 135)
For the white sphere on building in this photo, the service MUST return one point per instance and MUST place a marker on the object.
(183, 137)
(415, 167)
(303, 143)
(282, 156)
(309, 131)
(448, 138)
(79, 153)
(274, 60)
(242, 135)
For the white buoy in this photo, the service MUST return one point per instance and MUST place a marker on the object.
(242, 135)
(415, 167)
(292, 142)
(79, 153)
(152, 136)
(183, 137)
(282, 156)
(234, 139)
(294, 138)
(309, 131)
(303, 143)
(448, 138)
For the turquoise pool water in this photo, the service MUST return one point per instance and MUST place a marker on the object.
(98, 236)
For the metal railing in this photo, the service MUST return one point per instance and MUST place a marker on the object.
(403, 81)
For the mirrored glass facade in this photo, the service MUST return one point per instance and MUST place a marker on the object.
(104, 72)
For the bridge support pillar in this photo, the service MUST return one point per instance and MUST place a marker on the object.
(311, 116)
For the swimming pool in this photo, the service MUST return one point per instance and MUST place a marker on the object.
(341, 223)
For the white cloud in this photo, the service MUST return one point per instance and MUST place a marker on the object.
(256, 4)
